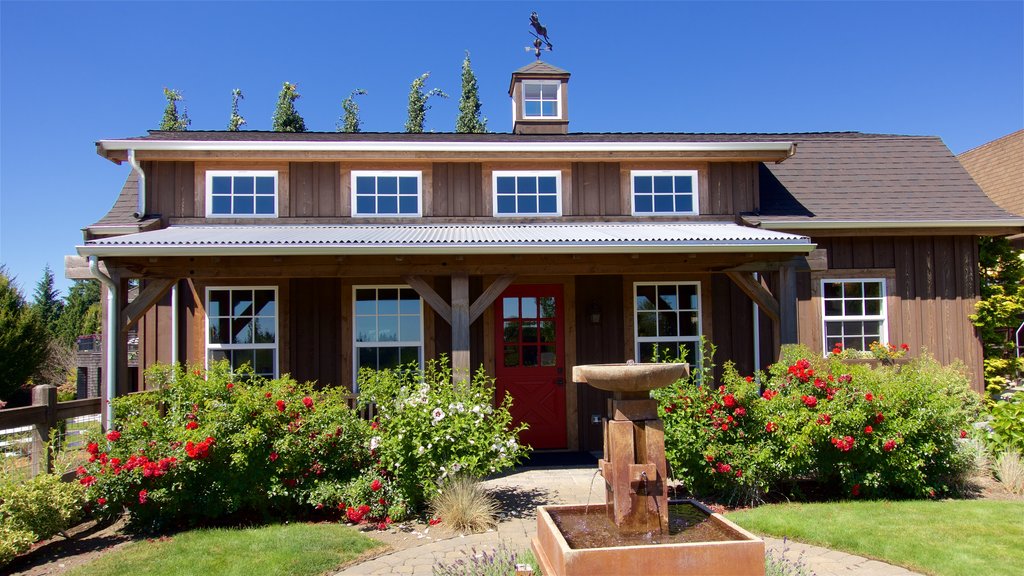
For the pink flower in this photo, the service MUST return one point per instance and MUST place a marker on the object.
(143, 495)
(113, 435)
(740, 412)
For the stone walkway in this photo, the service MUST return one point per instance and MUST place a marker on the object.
(522, 491)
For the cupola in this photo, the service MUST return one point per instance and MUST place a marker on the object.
(539, 94)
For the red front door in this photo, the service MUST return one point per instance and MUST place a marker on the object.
(530, 361)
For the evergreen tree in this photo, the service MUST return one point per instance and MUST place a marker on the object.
(350, 119)
(174, 121)
(23, 338)
(1000, 310)
(418, 103)
(47, 301)
(236, 120)
(469, 120)
(81, 314)
(286, 117)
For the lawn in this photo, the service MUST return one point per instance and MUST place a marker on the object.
(296, 549)
(945, 538)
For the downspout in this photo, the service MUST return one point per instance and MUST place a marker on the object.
(141, 210)
(111, 339)
(174, 325)
(757, 334)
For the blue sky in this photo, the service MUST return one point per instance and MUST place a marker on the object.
(72, 73)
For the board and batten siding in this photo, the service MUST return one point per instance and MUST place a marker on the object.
(170, 189)
(932, 287)
(315, 190)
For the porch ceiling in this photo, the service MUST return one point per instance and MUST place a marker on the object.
(454, 239)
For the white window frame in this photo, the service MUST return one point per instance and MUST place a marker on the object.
(356, 345)
(557, 174)
(234, 173)
(418, 174)
(692, 342)
(558, 99)
(883, 316)
(696, 192)
(275, 346)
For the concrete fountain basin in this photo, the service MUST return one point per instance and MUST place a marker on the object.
(629, 377)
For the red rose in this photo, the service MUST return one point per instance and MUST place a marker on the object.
(373, 425)
(145, 424)
(230, 386)
(749, 379)
(869, 396)
(268, 394)
(739, 473)
(382, 526)
(670, 408)
(113, 435)
(723, 468)
(769, 394)
(729, 400)
(280, 405)
(101, 501)
(725, 427)
(92, 448)
(308, 402)
(879, 418)
(143, 495)
(889, 445)
(904, 347)
(191, 425)
(771, 427)
(855, 490)
(963, 433)
(88, 481)
(809, 401)
(740, 412)
(709, 458)
(375, 485)
(273, 456)
(868, 430)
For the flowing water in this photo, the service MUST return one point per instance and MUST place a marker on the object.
(593, 529)
(591, 491)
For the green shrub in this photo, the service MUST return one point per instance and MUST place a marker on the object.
(35, 510)
(1007, 425)
(225, 445)
(852, 430)
(427, 428)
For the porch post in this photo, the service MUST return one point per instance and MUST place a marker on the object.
(460, 326)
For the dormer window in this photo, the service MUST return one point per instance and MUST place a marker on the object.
(527, 193)
(241, 194)
(386, 193)
(541, 99)
(664, 192)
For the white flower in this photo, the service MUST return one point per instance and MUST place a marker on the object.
(421, 450)
(476, 409)
(374, 442)
(456, 467)
(438, 415)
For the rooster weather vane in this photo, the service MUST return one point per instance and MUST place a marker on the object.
(540, 36)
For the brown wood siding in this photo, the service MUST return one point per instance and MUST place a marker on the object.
(154, 330)
(597, 189)
(170, 189)
(596, 344)
(315, 331)
(315, 189)
(932, 285)
(732, 315)
(443, 331)
(732, 188)
(457, 191)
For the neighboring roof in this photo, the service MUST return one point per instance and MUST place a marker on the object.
(569, 238)
(998, 167)
(872, 180)
(538, 67)
(121, 217)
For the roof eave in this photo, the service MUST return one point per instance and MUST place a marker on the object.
(816, 224)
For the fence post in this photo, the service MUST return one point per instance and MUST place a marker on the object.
(42, 460)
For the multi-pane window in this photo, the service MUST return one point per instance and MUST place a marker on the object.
(242, 328)
(664, 191)
(854, 312)
(241, 193)
(667, 319)
(388, 327)
(532, 193)
(540, 99)
(529, 328)
(385, 193)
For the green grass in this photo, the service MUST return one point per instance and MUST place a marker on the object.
(946, 538)
(282, 549)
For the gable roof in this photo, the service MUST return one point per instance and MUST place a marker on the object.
(998, 168)
(539, 67)
(851, 180)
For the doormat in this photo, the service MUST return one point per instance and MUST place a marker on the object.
(548, 459)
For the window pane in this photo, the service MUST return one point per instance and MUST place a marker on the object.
(527, 204)
(872, 307)
(244, 185)
(663, 184)
(366, 301)
(511, 331)
(387, 328)
(663, 203)
(549, 91)
(854, 308)
(506, 204)
(366, 185)
(511, 356)
(547, 185)
(241, 302)
(387, 185)
(217, 304)
(241, 331)
(409, 328)
(265, 303)
(873, 289)
(266, 331)
(506, 185)
(367, 358)
(684, 184)
(684, 203)
(548, 357)
(527, 184)
(853, 328)
(689, 324)
(549, 108)
(529, 307)
(387, 205)
(388, 357)
(221, 205)
(530, 331)
(834, 328)
(646, 297)
(833, 290)
(688, 297)
(547, 307)
(646, 324)
(547, 205)
(530, 356)
(852, 289)
(643, 184)
(264, 185)
(264, 205)
(241, 358)
(407, 205)
(510, 307)
(646, 351)
(531, 90)
(218, 355)
(366, 205)
(833, 307)
(644, 204)
(263, 362)
(387, 301)
(667, 298)
(219, 330)
(244, 205)
(407, 185)
(366, 329)
(547, 331)
(531, 108)
(409, 354)
(667, 324)
(221, 185)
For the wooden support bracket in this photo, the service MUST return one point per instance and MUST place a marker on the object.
(432, 298)
(150, 295)
(756, 292)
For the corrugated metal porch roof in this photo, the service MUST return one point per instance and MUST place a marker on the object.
(561, 238)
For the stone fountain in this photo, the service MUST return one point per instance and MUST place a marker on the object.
(638, 530)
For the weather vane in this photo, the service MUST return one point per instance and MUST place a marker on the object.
(540, 36)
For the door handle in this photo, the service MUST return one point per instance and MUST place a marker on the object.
(560, 381)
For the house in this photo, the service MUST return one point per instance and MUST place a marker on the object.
(529, 252)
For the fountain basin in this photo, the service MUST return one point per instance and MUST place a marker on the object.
(629, 377)
(742, 554)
